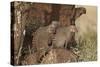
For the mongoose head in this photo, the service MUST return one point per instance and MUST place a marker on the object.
(53, 26)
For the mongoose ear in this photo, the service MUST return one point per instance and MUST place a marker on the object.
(73, 28)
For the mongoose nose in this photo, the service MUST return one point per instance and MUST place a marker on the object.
(84, 11)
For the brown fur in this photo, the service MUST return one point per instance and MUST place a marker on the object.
(63, 36)
(59, 56)
(30, 59)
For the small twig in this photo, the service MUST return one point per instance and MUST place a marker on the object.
(29, 49)
(19, 54)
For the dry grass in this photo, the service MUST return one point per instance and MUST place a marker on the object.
(87, 45)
